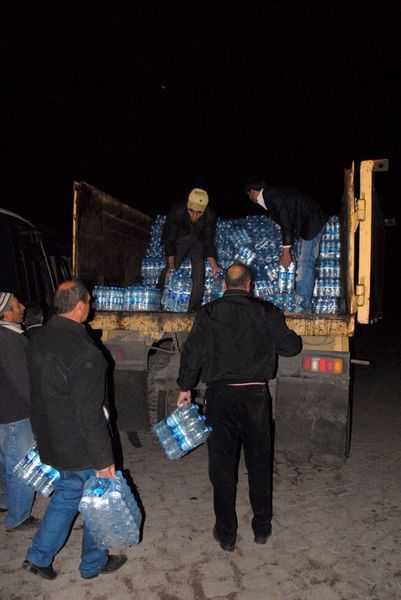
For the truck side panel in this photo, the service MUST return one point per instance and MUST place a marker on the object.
(109, 238)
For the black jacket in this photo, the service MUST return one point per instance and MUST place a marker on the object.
(296, 213)
(179, 224)
(68, 383)
(235, 340)
(14, 378)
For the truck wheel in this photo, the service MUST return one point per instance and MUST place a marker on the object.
(157, 359)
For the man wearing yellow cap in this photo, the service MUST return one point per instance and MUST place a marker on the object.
(189, 232)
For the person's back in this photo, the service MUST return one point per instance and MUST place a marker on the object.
(67, 373)
(245, 335)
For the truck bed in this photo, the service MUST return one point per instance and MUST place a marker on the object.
(156, 324)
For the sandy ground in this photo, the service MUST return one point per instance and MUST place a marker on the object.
(336, 530)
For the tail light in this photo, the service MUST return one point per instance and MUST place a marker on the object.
(323, 364)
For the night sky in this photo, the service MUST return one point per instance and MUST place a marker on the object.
(146, 100)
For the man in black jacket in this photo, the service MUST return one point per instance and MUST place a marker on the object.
(233, 346)
(299, 217)
(15, 408)
(68, 374)
(189, 231)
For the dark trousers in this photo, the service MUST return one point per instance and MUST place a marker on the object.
(190, 246)
(240, 415)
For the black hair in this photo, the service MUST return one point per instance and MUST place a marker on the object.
(66, 298)
(34, 314)
(254, 184)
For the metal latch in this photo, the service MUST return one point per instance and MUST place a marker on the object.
(360, 294)
(361, 209)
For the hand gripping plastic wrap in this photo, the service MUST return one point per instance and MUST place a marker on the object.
(110, 512)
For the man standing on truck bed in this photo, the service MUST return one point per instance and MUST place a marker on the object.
(298, 216)
(190, 231)
(233, 345)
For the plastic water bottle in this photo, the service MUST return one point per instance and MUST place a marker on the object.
(182, 413)
(110, 512)
(41, 477)
(182, 431)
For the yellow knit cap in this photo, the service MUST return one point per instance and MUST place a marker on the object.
(198, 200)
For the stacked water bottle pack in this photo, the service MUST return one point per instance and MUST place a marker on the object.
(110, 512)
(155, 249)
(135, 297)
(41, 477)
(327, 292)
(182, 431)
(254, 241)
(151, 268)
(142, 297)
(177, 291)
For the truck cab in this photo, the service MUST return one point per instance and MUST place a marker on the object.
(25, 269)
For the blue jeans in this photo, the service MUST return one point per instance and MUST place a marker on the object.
(308, 253)
(15, 495)
(56, 525)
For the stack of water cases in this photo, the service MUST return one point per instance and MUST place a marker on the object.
(39, 476)
(182, 431)
(110, 512)
(327, 292)
(256, 242)
(132, 298)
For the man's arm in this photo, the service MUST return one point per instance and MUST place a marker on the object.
(193, 355)
(213, 265)
(209, 234)
(170, 232)
(288, 343)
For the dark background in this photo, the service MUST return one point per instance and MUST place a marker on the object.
(146, 100)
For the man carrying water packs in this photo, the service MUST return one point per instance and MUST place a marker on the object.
(299, 217)
(68, 383)
(190, 231)
(233, 346)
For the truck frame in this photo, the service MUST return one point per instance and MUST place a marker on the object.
(311, 391)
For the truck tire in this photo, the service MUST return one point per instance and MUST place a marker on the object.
(157, 359)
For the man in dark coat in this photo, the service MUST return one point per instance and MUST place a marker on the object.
(33, 318)
(68, 383)
(189, 231)
(16, 436)
(233, 346)
(299, 217)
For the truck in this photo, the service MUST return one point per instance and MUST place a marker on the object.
(32, 261)
(311, 391)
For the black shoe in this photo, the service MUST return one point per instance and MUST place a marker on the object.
(262, 539)
(45, 572)
(227, 546)
(113, 564)
(29, 523)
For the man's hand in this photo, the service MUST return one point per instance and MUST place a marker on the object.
(171, 262)
(106, 473)
(214, 266)
(184, 397)
(286, 258)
